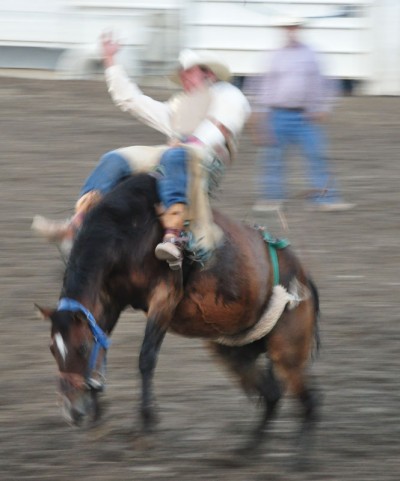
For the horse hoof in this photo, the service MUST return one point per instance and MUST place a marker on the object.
(98, 432)
(143, 442)
(301, 464)
(249, 451)
(230, 461)
(149, 418)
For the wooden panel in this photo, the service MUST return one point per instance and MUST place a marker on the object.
(242, 34)
(68, 28)
(126, 4)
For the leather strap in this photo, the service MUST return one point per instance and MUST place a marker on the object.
(228, 136)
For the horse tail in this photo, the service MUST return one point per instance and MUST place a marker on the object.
(317, 337)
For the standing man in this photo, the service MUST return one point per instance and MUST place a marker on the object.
(293, 100)
(206, 117)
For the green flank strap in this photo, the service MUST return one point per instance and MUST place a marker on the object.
(273, 245)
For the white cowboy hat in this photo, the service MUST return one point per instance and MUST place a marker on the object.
(188, 59)
(289, 21)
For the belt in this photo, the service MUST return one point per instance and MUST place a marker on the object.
(290, 109)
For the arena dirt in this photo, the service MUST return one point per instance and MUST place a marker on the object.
(52, 134)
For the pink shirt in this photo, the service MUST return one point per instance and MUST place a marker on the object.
(294, 80)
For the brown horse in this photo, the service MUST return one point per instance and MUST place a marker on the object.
(112, 266)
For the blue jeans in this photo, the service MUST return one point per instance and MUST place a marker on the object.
(111, 169)
(172, 184)
(293, 128)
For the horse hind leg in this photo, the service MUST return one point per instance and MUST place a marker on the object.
(289, 348)
(271, 391)
(309, 401)
(241, 361)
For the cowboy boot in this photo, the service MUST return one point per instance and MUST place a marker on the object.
(65, 231)
(170, 249)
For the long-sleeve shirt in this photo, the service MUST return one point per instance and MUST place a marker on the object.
(294, 80)
(228, 106)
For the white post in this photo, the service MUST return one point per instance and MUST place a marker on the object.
(385, 57)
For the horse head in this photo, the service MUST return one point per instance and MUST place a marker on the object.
(79, 348)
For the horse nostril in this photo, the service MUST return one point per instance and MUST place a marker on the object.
(77, 416)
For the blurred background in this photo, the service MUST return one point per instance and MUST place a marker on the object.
(359, 40)
(52, 134)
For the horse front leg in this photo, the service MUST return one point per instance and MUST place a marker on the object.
(161, 309)
(153, 338)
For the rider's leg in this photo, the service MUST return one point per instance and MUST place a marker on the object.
(172, 191)
(60, 231)
(111, 169)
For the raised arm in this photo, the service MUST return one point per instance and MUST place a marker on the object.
(128, 96)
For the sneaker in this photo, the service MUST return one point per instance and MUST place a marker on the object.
(170, 252)
(51, 230)
(333, 207)
(267, 206)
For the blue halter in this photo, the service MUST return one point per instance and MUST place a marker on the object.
(99, 336)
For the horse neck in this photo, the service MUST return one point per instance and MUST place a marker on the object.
(117, 238)
(103, 280)
(84, 285)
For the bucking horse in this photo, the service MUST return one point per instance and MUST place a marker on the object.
(252, 297)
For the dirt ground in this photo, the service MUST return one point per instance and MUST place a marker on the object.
(52, 133)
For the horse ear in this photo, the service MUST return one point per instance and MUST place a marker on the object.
(45, 313)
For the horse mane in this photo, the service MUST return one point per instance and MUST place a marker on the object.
(112, 231)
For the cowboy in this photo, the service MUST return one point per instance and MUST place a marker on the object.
(294, 100)
(206, 118)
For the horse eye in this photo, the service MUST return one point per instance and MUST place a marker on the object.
(83, 349)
